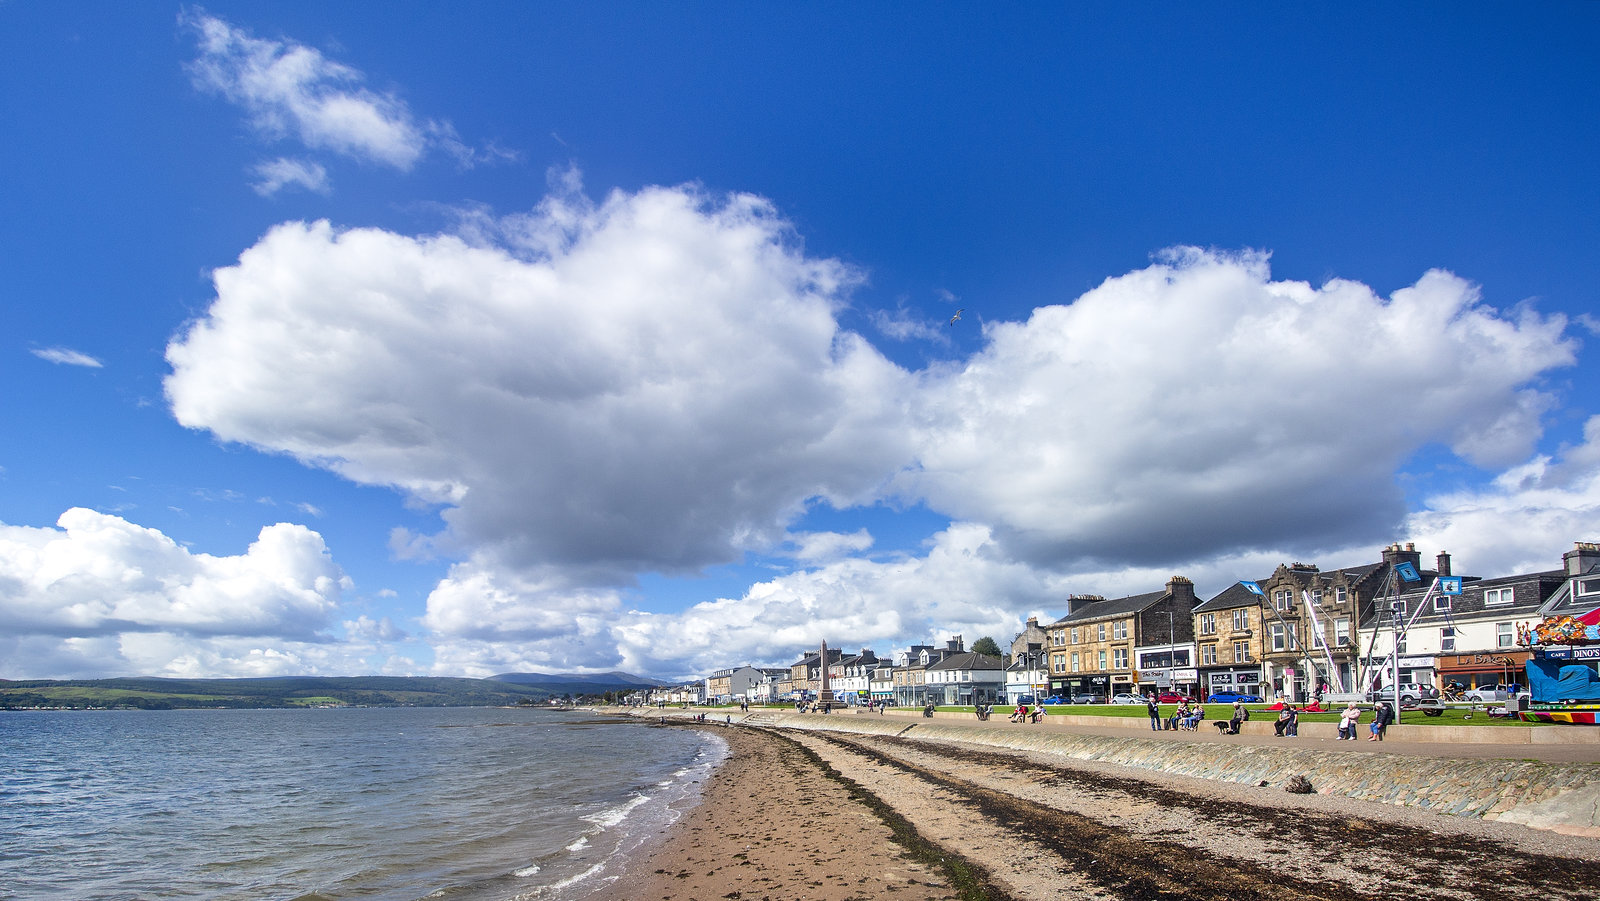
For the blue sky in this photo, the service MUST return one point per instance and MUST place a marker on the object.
(410, 338)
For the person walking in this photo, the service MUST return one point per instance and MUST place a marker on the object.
(1154, 710)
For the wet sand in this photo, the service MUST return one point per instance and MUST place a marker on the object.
(774, 825)
(810, 816)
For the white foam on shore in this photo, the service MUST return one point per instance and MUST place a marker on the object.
(621, 831)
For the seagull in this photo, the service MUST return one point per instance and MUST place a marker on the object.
(957, 315)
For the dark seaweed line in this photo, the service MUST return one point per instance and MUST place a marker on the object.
(1487, 867)
(971, 880)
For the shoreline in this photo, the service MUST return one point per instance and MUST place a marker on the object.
(772, 823)
(802, 814)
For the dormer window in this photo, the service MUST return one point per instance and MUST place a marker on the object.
(1498, 597)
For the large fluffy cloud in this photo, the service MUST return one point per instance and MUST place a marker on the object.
(97, 573)
(1197, 406)
(656, 382)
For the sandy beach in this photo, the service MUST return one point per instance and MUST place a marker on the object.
(773, 825)
(808, 816)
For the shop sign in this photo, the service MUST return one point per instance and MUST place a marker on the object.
(1573, 653)
(1185, 675)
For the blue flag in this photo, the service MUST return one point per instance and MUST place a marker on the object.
(1407, 572)
(1251, 587)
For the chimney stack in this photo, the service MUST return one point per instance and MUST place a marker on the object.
(1583, 558)
(1443, 564)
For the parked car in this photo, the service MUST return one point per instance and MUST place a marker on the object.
(1410, 693)
(1126, 699)
(1170, 697)
(1057, 699)
(1088, 699)
(1488, 694)
(1229, 697)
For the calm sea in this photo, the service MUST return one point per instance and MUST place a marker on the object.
(375, 803)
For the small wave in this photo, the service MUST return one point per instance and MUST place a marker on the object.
(606, 819)
(525, 872)
(579, 845)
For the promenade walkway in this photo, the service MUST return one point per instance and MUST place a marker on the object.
(1410, 738)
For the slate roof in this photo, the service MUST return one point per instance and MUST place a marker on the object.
(1111, 607)
(967, 660)
(1232, 597)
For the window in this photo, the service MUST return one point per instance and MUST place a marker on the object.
(1102, 627)
(1208, 624)
(1588, 586)
(1074, 634)
(1058, 663)
(1102, 660)
(1316, 598)
(1341, 594)
(1280, 641)
(1119, 630)
(1400, 646)
(1208, 655)
(1504, 635)
(1241, 619)
(1498, 597)
(1075, 661)
(1447, 640)
(1282, 598)
(1318, 639)
(1341, 631)
(1241, 652)
(1119, 658)
(1441, 603)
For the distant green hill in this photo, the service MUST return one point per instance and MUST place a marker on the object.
(578, 683)
(378, 691)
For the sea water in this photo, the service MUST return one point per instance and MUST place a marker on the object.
(467, 804)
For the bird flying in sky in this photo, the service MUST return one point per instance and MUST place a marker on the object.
(957, 315)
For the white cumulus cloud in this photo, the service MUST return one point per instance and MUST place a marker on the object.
(656, 382)
(1198, 406)
(99, 595)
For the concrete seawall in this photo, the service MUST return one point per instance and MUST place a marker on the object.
(1564, 797)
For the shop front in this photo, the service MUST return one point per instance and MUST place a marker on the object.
(1073, 685)
(1226, 681)
(1483, 670)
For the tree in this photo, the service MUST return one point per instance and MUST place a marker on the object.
(986, 645)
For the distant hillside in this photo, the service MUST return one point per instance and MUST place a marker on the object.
(577, 683)
(307, 691)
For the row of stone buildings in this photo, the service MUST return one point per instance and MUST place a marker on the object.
(1300, 630)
